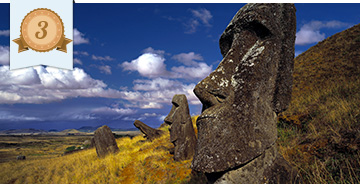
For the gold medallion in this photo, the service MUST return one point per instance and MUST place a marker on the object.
(42, 30)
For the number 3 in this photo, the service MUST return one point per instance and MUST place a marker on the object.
(44, 32)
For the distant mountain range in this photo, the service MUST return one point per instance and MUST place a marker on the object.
(84, 129)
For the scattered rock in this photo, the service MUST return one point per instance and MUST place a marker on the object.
(86, 142)
(182, 133)
(71, 151)
(21, 157)
(242, 97)
(104, 141)
(150, 133)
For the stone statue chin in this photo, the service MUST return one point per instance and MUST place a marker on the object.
(251, 84)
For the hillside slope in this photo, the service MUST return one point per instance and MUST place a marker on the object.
(320, 132)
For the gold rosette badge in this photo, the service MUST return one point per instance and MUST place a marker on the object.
(42, 30)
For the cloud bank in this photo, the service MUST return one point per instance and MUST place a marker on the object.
(310, 32)
(40, 84)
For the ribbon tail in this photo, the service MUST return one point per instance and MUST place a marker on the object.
(62, 45)
(22, 45)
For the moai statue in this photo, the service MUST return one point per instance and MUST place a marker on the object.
(104, 141)
(150, 133)
(242, 96)
(182, 133)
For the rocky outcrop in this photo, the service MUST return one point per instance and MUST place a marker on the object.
(21, 157)
(242, 97)
(104, 141)
(182, 133)
(149, 133)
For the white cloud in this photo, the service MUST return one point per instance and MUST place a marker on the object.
(7, 116)
(298, 53)
(81, 53)
(153, 65)
(113, 111)
(188, 58)
(200, 71)
(156, 84)
(4, 32)
(79, 37)
(45, 84)
(77, 61)
(105, 69)
(202, 14)
(153, 51)
(150, 114)
(148, 65)
(310, 33)
(161, 118)
(4, 55)
(162, 85)
(200, 17)
(151, 105)
(154, 93)
(191, 26)
(101, 58)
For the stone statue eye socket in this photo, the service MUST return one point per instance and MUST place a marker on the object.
(260, 30)
(219, 95)
(220, 98)
(175, 104)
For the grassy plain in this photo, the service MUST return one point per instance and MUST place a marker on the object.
(138, 161)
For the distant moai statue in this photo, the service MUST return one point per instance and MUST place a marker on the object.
(150, 133)
(182, 133)
(104, 141)
(242, 96)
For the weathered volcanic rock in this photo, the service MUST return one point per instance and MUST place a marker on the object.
(182, 133)
(249, 87)
(150, 133)
(21, 157)
(269, 167)
(104, 141)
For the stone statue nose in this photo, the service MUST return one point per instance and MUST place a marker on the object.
(168, 119)
(202, 91)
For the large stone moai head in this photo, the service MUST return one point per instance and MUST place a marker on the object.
(104, 141)
(251, 84)
(182, 133)
(149, 133)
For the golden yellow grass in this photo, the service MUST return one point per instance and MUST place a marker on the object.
(138, 161)
(320, 132)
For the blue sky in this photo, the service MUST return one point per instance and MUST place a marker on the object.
(130, 59)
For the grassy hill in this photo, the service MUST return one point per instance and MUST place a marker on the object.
(320, 132)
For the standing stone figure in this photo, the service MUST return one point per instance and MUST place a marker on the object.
(104, 141)
(182, 133)
(241, 98)
(150, 133)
